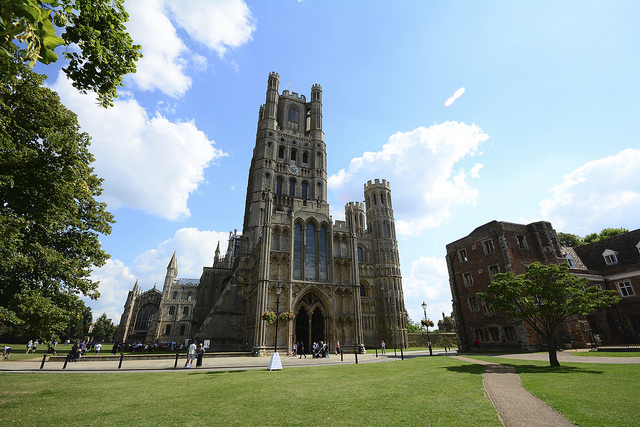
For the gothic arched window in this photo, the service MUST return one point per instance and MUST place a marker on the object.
(279, 186)
(322, 253)
(360, 255)
(292, 188)
(297, 251)
(310, 253)
(293, 118)
(145, 317)
(305, 189)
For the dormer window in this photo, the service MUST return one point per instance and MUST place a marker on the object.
(570, 261)
(638, 246)
(610, 257)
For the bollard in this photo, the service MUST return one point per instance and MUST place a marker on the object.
(44, 359)
(401, 354)
(121, 357)
(176, 364)
(342, 356)
(376, 351)
(65, 362)
(395, 354)
(356, 356)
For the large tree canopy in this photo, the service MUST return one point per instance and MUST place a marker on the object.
(49, 216)
(572, 240)
(544, 297)
(100, 51)
(104, 329)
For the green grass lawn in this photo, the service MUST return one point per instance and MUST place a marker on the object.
(423, 391)
(589, 394)
(607, 354)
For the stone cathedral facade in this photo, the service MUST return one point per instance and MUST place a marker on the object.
(340, 279)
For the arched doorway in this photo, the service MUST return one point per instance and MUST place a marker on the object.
(317, 326)
(302, 327)
(311, 318)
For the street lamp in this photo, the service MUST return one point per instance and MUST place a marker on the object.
(278, 290)
(426, 323)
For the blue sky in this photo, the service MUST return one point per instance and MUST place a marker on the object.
(545, 130)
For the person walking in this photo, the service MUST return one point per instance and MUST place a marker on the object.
(338, 347)
(382, 347)
(191, 354)
(301, 350)
(199, 355)
(29, 345)
(98, 348)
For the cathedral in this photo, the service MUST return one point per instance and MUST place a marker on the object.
(293, 273)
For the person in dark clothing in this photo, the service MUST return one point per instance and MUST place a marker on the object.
(301, 350)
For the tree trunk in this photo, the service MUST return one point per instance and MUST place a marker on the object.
(553, 356)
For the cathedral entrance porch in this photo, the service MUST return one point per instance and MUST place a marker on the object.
(311, 322)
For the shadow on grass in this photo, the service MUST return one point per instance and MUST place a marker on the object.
(466, 369)
(218, 372)
(562, 369)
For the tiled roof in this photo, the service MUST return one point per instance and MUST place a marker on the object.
(623, 244)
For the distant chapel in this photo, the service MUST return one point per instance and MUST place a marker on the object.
(340, 279)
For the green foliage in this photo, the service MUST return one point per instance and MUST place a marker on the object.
(412, 326)
(544, 297)
(569, 240)
(107, 52)
(104, 329)
(572, 240)
(49, 217)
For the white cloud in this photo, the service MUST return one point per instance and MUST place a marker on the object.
(428, 281)
(219, 25)
(147, 163)
(116, 280)
(194, 250)
(602, 193)
(421, 167)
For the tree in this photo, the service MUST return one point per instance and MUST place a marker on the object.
(604, 234)
(104, 329)
(49, 215)
(412, 326)
(96, 27)
(544, 297)
(569, 240)
(573, 240)
(79, 323)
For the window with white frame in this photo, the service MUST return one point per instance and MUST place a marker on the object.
(610, 257)
(626, 290)
(522, 242)
(473, 303)
(462, 254)
(493, 270)
(494, 333)
(488, 311)
(468, 279)
(488, 247)
(570, 261)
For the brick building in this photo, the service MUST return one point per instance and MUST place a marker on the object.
(499, 247)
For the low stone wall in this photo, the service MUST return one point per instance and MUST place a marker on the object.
(438, 339)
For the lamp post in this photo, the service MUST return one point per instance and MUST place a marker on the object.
(278, 290)
(426, 323)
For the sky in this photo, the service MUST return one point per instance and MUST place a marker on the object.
(473, 111)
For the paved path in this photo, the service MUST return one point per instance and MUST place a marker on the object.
(516, 406)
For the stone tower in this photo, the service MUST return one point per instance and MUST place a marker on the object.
(386, 260)
(341, 280)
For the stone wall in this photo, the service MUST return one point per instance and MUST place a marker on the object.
(438, 339)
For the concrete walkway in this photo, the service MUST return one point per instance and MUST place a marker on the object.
(516, 406)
